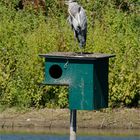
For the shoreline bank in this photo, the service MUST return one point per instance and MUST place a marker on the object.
(116, 120)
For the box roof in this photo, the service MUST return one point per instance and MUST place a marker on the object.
(77, 55)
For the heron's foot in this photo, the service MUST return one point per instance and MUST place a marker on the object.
(82, 50)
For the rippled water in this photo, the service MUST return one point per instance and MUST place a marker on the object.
(63, 134)
(58, 137)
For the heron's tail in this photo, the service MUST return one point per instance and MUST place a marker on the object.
(82, 44)
(82, 40)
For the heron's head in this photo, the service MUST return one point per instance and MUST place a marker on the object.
(69, 1)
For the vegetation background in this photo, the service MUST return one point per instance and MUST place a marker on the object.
(113, 27)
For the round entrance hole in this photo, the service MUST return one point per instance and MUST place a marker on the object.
(55, 71)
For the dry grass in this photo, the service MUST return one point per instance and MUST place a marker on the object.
(57, 118)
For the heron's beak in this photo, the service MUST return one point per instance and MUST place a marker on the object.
(67, 2)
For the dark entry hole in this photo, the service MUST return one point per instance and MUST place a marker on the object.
(55, 71)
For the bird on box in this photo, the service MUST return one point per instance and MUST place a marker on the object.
(78, 21)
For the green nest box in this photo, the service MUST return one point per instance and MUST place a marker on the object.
(85, 74)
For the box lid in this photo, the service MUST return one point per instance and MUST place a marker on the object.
(77, 55)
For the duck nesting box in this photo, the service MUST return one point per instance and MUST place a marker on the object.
(85, 74)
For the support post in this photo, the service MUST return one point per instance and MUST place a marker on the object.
(73, 121)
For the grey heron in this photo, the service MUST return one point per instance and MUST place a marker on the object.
(78, 21)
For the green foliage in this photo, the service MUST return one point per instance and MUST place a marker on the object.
(19, 65)
(113, 27)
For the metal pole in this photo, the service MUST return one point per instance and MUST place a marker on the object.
(73, 116)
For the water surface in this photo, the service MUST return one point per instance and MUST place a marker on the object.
(60, 137)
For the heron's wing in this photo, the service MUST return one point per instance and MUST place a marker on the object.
(73, 20)
(78, 16)
(82, 19)
(78, 20)
(73, 12)
(82, 32)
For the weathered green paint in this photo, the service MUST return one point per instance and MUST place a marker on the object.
(87, 80)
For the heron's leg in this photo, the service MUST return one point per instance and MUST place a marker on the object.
(74, 35)
(81, 50)
(75, 39)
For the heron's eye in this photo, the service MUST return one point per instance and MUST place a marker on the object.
(79, 9)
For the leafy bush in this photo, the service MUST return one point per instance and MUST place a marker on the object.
(112, 28)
